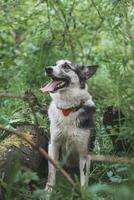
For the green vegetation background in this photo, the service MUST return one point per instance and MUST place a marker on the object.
(37, 33)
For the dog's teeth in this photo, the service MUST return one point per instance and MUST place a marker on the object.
(60, 84)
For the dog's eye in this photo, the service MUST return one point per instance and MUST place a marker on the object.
(66, 67)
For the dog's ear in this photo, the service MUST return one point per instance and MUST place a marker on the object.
(89, 71)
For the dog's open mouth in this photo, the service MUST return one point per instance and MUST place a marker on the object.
(55, 84)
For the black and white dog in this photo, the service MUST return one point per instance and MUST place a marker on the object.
(71, 113)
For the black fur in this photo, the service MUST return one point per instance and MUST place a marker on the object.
(91, 142)
(86, 117)
(82, 79)
(86, 120)
(84, 169)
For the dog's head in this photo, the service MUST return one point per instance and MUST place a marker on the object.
(66, 74)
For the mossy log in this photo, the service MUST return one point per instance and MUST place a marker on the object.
(14, 149)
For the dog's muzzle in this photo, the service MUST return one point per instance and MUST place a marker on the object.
(49, 71)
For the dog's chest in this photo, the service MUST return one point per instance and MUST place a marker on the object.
(68, 125)
(65, 130)
(71, 135)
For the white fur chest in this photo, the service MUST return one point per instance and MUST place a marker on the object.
(66, 125)
(64, 129)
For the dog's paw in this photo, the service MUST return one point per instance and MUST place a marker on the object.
(48, 188)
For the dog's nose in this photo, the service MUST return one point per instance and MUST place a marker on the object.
(49, 70)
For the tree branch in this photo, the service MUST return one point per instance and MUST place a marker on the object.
(97, 10)
(111, 159)
(11, 96)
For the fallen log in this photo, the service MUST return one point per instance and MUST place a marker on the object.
(14, 149)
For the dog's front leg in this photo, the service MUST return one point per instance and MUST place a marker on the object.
(53, 152)
(84, 164)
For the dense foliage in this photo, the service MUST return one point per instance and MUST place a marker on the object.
(36, 33)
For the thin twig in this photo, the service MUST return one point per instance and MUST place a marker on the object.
(111, 159)
(49, 20)
(67, 29)
(11, 96)
(45, 155)
(93, 3)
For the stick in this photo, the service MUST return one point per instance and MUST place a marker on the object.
(111, 159)
(11, 95)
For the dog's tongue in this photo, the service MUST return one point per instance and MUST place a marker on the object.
(50, 87)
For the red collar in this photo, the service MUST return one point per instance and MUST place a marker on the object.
(67, 111)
